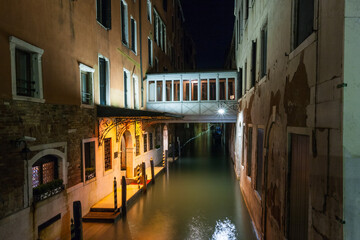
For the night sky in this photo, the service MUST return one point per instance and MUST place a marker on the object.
(210, 23)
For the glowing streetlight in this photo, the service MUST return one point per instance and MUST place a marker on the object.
(221, 111)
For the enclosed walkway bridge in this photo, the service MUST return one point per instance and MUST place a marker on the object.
(197, 96)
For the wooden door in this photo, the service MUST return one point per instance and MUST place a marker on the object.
(299, 187)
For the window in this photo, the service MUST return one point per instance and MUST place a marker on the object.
(245, 78)
(151, 145)
(176, 90)
(86, 78)
(303, 20)
(259, 159)
(186, 89)
(156, 27)
(151, 93)
(107, 154)
(127, 89)
(212, 83)
(240, 83)
(159, 31)
(253, 63)
(145, 142)
(204, 89)
(88, 156)
(133, 36)
(165, 5)
(159, 91)
(243, 146)
(246, 10)
(104, 81)
(194, 90)
(222, 83)
(137, 142)
(149, 10)
(26, 70)
(168, 90)
(150, 52)
(124, 23)
(231, 89)
(136, 91)
(103, 13)
(249, 152)
(263, 51)
(44, 170)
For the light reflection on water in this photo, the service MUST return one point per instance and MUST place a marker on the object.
(197, 199)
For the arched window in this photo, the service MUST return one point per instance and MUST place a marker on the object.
(44, 170)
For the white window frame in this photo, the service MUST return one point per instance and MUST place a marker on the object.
(127, 90)
(107, 79)
(83, 158)
(16, 43)
(84, 68)
(126, 24)
(133, 46)
(135, 79)
(149, 10)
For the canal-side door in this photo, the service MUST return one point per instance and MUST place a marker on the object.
(299, 187)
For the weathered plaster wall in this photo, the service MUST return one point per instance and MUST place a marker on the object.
(302, 86)
(351, 118)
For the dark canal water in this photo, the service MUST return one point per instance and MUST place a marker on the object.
(198, 198)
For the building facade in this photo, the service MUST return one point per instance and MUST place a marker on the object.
(294, 140)
(72, 101)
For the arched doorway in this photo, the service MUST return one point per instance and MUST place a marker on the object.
(127, 154)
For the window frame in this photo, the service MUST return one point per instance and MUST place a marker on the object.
(150, 52)
(133, 35)
(87, 69)
(149, 10)
(111, 155)
(127, 89)
(249, 158)
(16, 43)
(87, 140)
(107, 100)
(124, 23)
(100, 21)
(145, 143)
(263, 50)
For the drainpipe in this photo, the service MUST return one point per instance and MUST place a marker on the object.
(266, 168)
(141, 64)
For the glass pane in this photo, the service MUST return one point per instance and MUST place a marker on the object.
(186, 90)
(151, 91)
(222, 88)
(204, 89)
(145, 142)
(107, 153)
(176, 90)
(231, 89)
(168, 90)
(159, 92)
(89, 154)
(194, 89)
(48, 172)
(24, 85)
(137, 140)
(212, 83)
(86, 88)
(151, 141)
(35, 176)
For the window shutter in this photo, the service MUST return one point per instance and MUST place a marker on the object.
(98, 10)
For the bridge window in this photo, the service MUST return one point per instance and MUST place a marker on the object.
(176, 90)
(159, 90)
(231, 89)
(222, 83)
(152, 91)
(194, 90)
(168, 90)
(186, 96)
(204, 89)
(212, 89)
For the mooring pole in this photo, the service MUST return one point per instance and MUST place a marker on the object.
(143, 175)
(166, 160)
(152, 170)
(77, 220)
(115, 195)
(123, 196)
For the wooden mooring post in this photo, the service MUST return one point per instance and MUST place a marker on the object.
(123, 196)
(143, 171)
(78, 232)
(152, 170)
(115, 195)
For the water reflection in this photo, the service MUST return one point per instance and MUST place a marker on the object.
(200, 200)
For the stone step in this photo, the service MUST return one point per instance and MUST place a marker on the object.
(103, 217)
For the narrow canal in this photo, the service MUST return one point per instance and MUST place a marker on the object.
(198, 198)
